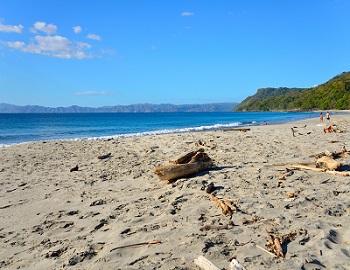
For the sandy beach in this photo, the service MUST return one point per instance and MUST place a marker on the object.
(104, 214)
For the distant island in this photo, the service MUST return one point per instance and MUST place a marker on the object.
(135, 108)
(333, 94)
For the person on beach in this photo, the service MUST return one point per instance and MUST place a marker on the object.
(328, 116)
(321, 117)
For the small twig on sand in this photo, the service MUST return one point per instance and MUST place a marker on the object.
(138, 244)
(293, 132)
(217, 227)
(308, 168)
(289, 163)
(263, 249)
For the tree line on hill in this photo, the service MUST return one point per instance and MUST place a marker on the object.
(334, 94)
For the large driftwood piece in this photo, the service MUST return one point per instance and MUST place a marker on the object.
(205, 264)
(172, 172)
(186, 165)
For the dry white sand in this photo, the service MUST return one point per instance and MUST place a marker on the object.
(51, 218)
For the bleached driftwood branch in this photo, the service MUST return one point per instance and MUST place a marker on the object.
(205, 263)
(208, 265)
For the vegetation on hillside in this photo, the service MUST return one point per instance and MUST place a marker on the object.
(334, 94)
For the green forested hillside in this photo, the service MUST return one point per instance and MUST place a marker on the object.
(334, 94)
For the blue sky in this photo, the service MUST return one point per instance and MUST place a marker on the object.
(119, 52)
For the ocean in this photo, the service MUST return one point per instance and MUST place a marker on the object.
(21, 128)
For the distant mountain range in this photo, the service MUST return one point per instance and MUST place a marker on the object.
(333, 94)
(136, 108)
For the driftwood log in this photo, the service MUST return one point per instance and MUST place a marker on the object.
(189, 164)
(173, 172)
(325, 162)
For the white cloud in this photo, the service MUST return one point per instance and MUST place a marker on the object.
(77, 29)
(54, 46)
(16, 45)
(46, 28)
(111, 52)
(51, 44)
(93, 93)
(83, 45)
(93, 36)
(11, 28)
(187, 13)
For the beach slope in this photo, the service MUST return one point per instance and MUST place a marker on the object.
(63, 207)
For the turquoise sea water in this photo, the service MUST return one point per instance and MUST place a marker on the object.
(19, 128)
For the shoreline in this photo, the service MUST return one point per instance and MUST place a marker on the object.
(213, 127)
(52, 218)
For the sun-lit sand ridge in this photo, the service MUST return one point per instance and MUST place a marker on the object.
(102, 215)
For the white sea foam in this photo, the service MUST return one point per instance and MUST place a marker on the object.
(147, 133)
(3, 145)
(165, 131)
